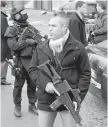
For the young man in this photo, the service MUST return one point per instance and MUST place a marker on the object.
(99, 31)
(77, 25)
(72, 59)
(5, 51)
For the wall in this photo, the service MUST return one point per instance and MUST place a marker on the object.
(29, 4)
(47, 5)
(58, 3)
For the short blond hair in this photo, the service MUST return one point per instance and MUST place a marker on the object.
(63, 16)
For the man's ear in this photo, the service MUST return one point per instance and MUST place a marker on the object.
(64, 28)
(78, 8)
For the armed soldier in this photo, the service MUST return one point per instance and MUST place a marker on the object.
(22, 50)
(69, 58)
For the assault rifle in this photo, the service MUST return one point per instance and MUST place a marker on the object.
(16, 71)
(35, 35)
(64, 91)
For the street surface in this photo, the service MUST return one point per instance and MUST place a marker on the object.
(93, 110)
(7, 108)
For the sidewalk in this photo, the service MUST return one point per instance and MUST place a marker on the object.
(7, 108)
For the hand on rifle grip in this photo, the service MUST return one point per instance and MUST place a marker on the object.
(75, 104)
(51, 89)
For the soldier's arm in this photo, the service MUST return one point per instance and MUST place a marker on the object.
(12, 41)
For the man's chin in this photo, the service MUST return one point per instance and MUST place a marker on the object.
(51, 37)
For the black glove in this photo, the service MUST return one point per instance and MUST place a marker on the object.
(30, 42)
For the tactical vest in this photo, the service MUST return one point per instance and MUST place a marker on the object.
(16, 31)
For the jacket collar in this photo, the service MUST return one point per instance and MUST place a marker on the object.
(44, 46)
(81, 19)
(71, 44)
(78, 13)
(4, 14)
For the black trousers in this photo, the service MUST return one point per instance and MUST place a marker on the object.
(19, 83)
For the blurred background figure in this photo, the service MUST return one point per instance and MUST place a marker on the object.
(99, 31)
(77, 25)
(5, 51)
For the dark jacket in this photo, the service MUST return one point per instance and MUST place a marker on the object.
(77, 28)
(5, 51)
(100, 27)
(73, 55)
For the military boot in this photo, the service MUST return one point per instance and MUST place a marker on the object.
(17, 111)
(33, 109)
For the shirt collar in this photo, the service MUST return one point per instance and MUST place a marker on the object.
(79, 14)
(4, 14)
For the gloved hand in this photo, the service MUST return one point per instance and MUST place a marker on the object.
(30, 42)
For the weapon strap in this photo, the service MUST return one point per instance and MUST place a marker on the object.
(58, 64)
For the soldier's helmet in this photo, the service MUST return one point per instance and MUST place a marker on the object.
(17, 15)
(16, 10)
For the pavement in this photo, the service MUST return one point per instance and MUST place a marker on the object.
(93, 109)
(8, 119)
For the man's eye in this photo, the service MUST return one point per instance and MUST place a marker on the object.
(53, 26)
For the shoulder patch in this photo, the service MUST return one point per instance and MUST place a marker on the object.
(11, 31)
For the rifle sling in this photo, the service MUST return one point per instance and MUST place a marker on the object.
(59, 64)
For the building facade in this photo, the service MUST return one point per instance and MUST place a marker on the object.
(48, 5)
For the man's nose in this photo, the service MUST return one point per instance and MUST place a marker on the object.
(50, 28)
